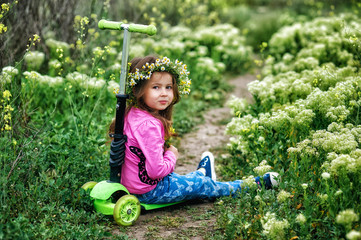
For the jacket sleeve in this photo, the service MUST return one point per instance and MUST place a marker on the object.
(150, 137)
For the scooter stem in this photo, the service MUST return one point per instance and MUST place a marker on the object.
(117, 148)
(124, 66)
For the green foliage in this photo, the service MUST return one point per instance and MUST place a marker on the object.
(40, 191)
(305, 124)
(316, 54)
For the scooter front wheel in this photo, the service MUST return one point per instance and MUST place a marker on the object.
(126, 210)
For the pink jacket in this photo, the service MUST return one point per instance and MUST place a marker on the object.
(146, 162)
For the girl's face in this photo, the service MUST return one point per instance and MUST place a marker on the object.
(158, 93)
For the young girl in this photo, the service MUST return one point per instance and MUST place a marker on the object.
(154, 86)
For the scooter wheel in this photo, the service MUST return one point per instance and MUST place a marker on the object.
(126, 210)
(89, 185)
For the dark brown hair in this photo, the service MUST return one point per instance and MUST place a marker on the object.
(165, 116)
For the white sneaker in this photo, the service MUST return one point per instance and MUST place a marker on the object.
(271, 179)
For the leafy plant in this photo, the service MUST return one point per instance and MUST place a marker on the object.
(304, 123)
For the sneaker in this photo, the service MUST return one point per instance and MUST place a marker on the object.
(207, 163)
(271, 179)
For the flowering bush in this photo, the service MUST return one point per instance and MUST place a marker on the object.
(6, 109)
(57, 49)
(305, 123)
(291, 86)
(273, 228)
(34, 60)
(226, 45)
(7, 75)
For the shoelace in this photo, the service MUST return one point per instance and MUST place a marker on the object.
(204, 162)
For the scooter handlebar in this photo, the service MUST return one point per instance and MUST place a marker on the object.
(139, 28)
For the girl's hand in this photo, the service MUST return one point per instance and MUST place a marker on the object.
(173, 149)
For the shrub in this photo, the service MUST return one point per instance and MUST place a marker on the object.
(305, 124)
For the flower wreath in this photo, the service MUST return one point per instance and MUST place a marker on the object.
(176, 68)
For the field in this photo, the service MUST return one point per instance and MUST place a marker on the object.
(57, 97)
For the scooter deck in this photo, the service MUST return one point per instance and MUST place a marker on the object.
(106, 207)
(156, 206)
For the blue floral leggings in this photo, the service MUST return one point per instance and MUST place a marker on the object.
(194, 185)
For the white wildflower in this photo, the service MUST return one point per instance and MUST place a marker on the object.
(283, 196)
(262, 168)
(325, 175)
(249, 182)
(113, 87)
(338, 192)
(346, 217)
(273, 228)
(301, 219)
(353, 235)
(237, 105)
(34, 60)
(323, 197)
(10, 70)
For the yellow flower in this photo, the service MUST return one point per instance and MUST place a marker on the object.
(116, 91)
(7, 117)
(36, 38)
(113, 43)
(5, 7)
(7, 95)
(9, 108)
(3, 28)
(79, 44)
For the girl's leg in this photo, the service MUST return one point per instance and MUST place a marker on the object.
(175, 188)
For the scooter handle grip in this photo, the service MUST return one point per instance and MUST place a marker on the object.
(147, 29)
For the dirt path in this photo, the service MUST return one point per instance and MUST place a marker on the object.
(191, 220)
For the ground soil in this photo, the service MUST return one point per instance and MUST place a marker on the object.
(190, 220)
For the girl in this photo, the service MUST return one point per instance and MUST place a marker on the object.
(154, 86)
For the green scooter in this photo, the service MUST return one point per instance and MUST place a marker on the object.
(111, 197)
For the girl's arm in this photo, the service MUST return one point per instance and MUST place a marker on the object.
(150, 137)
(173, 150)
